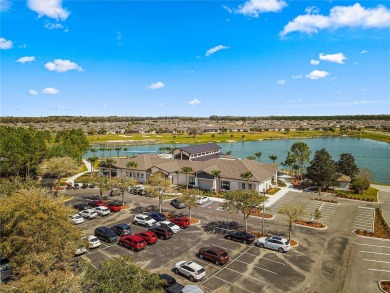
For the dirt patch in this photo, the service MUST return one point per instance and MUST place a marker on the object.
(326, 200)
(260, 214)
(385, 286)
(310, 224)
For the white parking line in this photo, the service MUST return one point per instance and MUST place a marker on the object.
(229, 283)
(378, 270)
(206, 262)
(373, 245)
(371, 252)
(247, 276)
(233, 249)
(381, 261)
(274, 261)
(207, 204)
(257, 267)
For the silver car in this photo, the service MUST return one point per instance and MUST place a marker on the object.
(274, 242)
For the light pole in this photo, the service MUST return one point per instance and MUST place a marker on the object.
(262, 228)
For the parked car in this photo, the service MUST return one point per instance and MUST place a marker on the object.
(91, 185)
(162, 232)
(76, 219)
(169, 224)
(214, 254)
(241, 236)
(133, 242)
(93, 242)
(76, 186)
(274, 242)
(311, 189)
(6, 271)
(89, 214)
(84, 185)
(182, 222)
(190, 269)
(138, 190)
(144, 220)
(149, 236)
(168, 279)
(157, 216)
(81, 206)
(102, 211)
(114, 192)
(106, 234)
(177, 203)
(80, 250)
(121, 229)
(201, 199)
(96, 203)
(114, 207)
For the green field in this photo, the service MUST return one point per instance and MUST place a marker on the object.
(369, 194)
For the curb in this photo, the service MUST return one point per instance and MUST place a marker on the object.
(369, 237)
(379, 285)
(273, 217)
(324, 228)
(371, 202)
(294, 245)
(68, 199)
(325, 201)
(195, 223)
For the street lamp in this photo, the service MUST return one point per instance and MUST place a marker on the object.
(262, 230)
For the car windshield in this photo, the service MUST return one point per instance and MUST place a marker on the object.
(147, 218)
(201, 271)
(170, 224)
(224, 254)
(287, 242)
(93, 239)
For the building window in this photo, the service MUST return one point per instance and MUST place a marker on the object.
(191, 180)
(243, 186)
(225, 185)
(142, 175)
(251, 186)
(137, 175)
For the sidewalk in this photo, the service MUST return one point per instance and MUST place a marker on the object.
(74, 177)
(384, 200)
(282, 192)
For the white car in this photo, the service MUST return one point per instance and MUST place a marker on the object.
(144, 220)
(80, 250)
(89, 214)
(201, 199)
(190, 269)
(76, 219)
(274, 242)
(93, 242)
(102, 211)
(175, 228)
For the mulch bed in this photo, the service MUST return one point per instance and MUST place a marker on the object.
(310, 224)
(260, 214)
(385, 286)
(326, 200)
(381, 228)
(173, 216)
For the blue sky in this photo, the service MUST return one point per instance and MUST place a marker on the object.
(194, 58)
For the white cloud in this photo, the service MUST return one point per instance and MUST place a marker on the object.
(49, 8)
(26, 59)
(335, 58)
(296, 76)
(5, 5)
(156, 85)
(362, 102)
(5, 44)
(363, 51)
(317, 74)
(314, 62)
(32, 92)
(23, 46)
(227, 8)
(52, 26)
(211, 51)
(194, 102)
(50, 91)
(340, 16)
(281, 82)
(255, 7)
(312, 10)
(61, 65)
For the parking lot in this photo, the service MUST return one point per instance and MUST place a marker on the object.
(326, 211)
(364, 219)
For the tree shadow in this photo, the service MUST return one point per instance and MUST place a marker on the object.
(222, 227)
(140, 210)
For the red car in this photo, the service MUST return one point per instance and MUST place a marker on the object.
(181, 222)
(133, 242)
(97, 203)
(114, 207)
(148, 236)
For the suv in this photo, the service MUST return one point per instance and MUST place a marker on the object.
(89, 214)
(81, 206)
(96, 203)
(182, 222)
(190, 269)
(162, 232)
(102, 211)
(114, 207)
(214, 254)
(149, 236)
(106, 234)
(133, 242)
(274, 242)
(144, 220)
(157, 216)
(241, 236)
(168, 224)
(76, 219)
(178, 204)
(121, 229)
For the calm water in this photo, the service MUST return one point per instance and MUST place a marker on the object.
(370, 154)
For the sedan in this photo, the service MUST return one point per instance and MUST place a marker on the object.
(201, 199)
(178, 204)
(274, 242)
(89, 214)
(241, 236)
(182, 222)
(214, 254)
(168, 279)
(121, 229)
(175, 228)
(157, 216)
(114, 207)
(96, 203)
(81, 206)
(148, 236)
(190, 269)
(93, 242)
(133, 242)
(76, 219)
(102, 211)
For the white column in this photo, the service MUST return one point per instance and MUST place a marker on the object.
(196, 181)
(215, 183)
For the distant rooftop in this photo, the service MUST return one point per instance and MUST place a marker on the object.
(200, 148)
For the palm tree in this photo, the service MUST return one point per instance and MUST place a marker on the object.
(228, 153)
(213, 136)
(92, 160)
(174, 137)
(258, 155)
(252, 158)
(273, 158)
(243, 137)
(186, 170)
(246, 176)
(231, 136)
(216, 174)
(110, 149)
(125, 150)
(109, 163)
(118, 149)
(131, 165)
(102, 150)
(94, 150)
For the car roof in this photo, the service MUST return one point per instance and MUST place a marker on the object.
(216, 249)
(134, 237)
(92, 237)
(150, 233)
(122, 225)
(193, 265)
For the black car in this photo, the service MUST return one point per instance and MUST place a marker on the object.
(121, 229)
(162, 232)
(91, 185)
(81, 206)
(241, 236)
(76, 186)
(5, 271)
(106, 234)
(168, 279)
(178, 204)
(84, 186)
(157, 216)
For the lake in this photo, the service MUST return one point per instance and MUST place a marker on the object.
(370, 154)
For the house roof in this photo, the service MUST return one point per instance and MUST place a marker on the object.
(200, 148)
(343, 178)
(230, 168)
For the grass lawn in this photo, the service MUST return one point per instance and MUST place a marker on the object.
(273, 190)
(66, 197)
(380, 136)
(369, 195)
